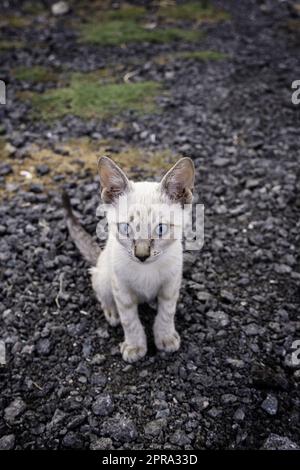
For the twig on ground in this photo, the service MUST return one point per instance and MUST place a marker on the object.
(60, 292)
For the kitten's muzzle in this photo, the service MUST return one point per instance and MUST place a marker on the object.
(142, 249)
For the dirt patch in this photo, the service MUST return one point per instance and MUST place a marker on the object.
(75, 157)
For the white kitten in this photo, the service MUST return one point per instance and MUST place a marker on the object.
(142, 259)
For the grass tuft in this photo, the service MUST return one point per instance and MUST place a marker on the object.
(87, 97)
(126, 12)
(130, 24)
(14, 21)
(202, 55)
(193, 11)
(34, 74)
(6, 45)
(117, 32)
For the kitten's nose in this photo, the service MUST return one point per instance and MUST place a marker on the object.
(142, 257)
(142, 249)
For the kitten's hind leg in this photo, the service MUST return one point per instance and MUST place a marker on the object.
(102, 287)
(111, 315)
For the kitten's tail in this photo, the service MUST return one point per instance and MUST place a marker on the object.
(83, 240)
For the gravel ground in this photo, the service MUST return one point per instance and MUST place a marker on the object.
(232, 384)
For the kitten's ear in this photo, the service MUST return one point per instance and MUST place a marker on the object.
(178, 183)
(113, 180)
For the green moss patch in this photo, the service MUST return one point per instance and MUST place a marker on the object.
(130, 24)
(14, 21)
(117, 32)
(200, 11)
(34, 74)
(34, 8)
(6, 45)
(125, 12)
(202, 55)
(87, 97)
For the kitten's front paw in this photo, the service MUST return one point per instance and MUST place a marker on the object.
(112, 316)
(168, 343)
(132, 353)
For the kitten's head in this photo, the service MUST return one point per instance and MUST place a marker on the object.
(146, 218)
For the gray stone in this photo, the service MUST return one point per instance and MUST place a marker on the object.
(120, 428)
(252, 183)
(163, 413)
(5, 169)
(42, 169)
(203, 296)
(43, 347)
(59, 8)
(236, 363)
(7, 442)
(270, 405)
(98, 359)
(214, 412)
(9, 149)
(228, 398)
(99, 380)
(153, 428)
(14, 410)
(180, 438)
(276, 442)
(227, 296)
(239, 415)
(57, 419)
(72, 441)
(8, 316)
(76, 421)
(28, 349)
(104, 443)
(2, 353)
(102, 333)
(103, 405)
(283, 268)
(220, 162)
(200, 403)
(251, 330)
(219, 318)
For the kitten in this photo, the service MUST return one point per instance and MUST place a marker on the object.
(142, 259)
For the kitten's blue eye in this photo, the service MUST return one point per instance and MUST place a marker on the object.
(161, 229)
(124, 229)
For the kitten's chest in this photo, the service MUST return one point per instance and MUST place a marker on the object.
(145, 282)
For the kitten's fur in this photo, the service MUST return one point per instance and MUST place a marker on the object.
(138, 268)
